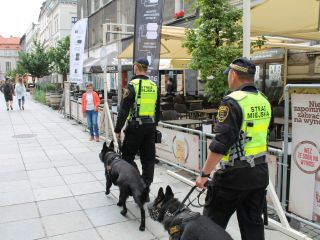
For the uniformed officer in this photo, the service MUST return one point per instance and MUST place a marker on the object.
(240, 146)
(141, 107)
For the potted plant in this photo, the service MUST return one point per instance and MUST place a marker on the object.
(179, 15)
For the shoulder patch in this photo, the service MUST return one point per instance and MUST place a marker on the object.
(223, 113)
(126, 92)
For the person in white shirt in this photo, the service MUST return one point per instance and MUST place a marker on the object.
(20, 91)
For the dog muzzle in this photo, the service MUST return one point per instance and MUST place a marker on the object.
(153, 212)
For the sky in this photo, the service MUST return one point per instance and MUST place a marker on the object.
(17, 15)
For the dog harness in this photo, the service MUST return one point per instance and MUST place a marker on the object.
(179, 222)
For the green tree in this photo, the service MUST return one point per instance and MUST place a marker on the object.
(59, 57)
(214, 42)
(19, 70)
(36, 61)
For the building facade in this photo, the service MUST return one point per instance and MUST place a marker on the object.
(31, 34)
(9, 52)
(56, 19)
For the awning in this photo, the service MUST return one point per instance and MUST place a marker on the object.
(171, 45)
(287, 18)
(176, 64)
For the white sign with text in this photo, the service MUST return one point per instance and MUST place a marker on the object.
(305, 156)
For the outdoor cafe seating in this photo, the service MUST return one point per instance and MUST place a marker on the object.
(188, 111)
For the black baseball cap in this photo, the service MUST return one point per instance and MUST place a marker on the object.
(243, 65)
(142, 61)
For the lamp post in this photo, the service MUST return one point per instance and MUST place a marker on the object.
(246, 27)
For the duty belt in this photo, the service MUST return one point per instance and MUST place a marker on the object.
(141, 121)
(243, 164)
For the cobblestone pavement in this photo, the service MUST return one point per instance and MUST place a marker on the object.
(52, 183)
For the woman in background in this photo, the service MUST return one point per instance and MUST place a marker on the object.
(20, 91)
(90, 108)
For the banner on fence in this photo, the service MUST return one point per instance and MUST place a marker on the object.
(304, 195)
(77, 40)
(179, 147)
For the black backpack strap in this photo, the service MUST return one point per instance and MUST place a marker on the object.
(138, 97)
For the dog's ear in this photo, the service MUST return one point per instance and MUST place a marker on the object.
(169, 192)
(111, 146)
(104, 145)
(160, 193)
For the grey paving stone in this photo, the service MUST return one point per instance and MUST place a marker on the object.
(12, 168)
(79, 178)
(61, 157)
(56, 206)
(122, 230)
(95, 200)
(85, 188)
(13, 176)
(22, 230)
(100, 175)
(156, 228)
(95, 167)
(14, 186)
(90, 234)
(71, 170)
(17, 197)
(43, 173)
(47, 182)
(65, 163)
(38, 165)
(78, 149)
(18, 212)
(65, 223)
(52, 193)
(107, 215)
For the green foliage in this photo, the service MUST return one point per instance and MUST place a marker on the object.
(59, 57)
(47, 87)
(19, 70)
(36, 61)
(213, 43)
(40, 96)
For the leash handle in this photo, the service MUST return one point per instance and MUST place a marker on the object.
(186, 198)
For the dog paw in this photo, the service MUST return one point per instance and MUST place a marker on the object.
(124, 212)
(107, 192)
(119, 204)
(142, 228)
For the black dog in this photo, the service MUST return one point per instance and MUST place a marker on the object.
(121, 173)
(183, 224)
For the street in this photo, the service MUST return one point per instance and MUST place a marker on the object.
(52, 183)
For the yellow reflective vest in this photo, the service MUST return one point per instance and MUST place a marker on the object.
(252, 142)
(145, 102)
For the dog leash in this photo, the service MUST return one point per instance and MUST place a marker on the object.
(191, 202)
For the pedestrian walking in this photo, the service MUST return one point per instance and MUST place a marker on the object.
(141, 106)
(20, 91)
(90, 109)
(8, 92)
(240, 145)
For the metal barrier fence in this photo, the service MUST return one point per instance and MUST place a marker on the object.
(279, 180)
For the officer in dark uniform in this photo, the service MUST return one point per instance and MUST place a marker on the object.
(141, 107)
(240, 146)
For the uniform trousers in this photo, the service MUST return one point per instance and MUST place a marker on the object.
(141, 138)
(221, 203)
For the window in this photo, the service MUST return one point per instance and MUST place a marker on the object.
(8, 66)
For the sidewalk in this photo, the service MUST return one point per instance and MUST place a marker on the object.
(52, 183)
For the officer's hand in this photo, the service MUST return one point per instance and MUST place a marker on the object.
(201, 182)
(118, 136)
